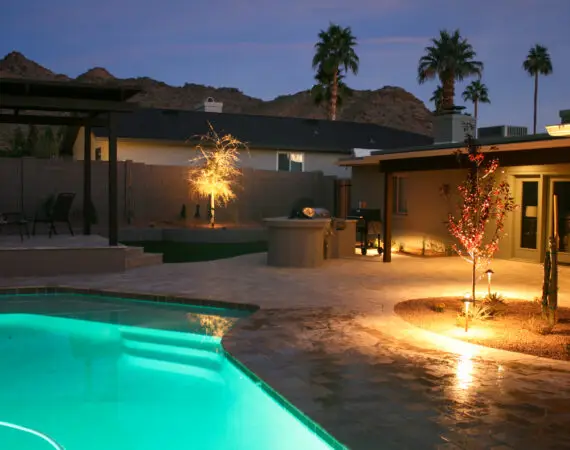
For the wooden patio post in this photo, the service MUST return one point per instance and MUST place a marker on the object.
(113, 191)
(87, 180)
(387, 222)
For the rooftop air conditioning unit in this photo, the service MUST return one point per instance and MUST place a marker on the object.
(501, 131)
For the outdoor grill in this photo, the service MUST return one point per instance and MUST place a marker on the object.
(368, 223)
(308, 212)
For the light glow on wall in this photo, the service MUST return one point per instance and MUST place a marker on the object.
(559, 130)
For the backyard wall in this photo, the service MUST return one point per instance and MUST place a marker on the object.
(177, 154)
(155, 193)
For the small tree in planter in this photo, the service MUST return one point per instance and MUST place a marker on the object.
(484, 198)
(214, 173)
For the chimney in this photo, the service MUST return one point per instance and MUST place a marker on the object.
(450, 127)
(210, 105)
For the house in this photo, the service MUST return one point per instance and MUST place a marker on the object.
(168, 137)
(419, 186)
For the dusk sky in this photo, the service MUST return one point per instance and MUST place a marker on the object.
(265, 47)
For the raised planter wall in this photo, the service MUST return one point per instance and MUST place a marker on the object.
(194, 235)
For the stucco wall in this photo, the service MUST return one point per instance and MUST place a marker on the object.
(175, 154)
(428, 208)
(155, 193)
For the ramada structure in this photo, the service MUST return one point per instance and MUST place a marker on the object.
(416, 190)
(26, 101)
(38, 102)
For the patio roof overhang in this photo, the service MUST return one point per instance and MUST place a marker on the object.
(541, 151)
(41, 102)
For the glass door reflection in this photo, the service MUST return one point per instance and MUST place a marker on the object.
(529, 216)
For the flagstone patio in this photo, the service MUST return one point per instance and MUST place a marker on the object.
(328, 340)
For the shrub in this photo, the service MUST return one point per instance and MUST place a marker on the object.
(439, 307)
(492, 306)
(495, 304)
(536, 324)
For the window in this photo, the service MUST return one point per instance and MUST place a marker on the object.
(400, 195)
(290, 162)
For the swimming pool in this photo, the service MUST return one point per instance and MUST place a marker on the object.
(109, 385)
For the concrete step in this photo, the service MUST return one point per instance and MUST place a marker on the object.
(133, 251)
(135, 259)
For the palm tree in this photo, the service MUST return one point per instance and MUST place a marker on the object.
(335, 57)
(537, 63)
(476, 92)
(436, 98)
(322, 91)
(450, 58)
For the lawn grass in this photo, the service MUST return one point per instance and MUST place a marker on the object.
(179, 252)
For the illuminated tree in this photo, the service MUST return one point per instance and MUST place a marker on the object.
(214, 173)
(485, 203)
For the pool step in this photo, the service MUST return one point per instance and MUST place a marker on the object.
(136, 257)
(178, 348)
(179, 339)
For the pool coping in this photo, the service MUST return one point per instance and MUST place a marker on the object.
(158, 298)
(313, 426)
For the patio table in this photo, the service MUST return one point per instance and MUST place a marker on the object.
(15, 218)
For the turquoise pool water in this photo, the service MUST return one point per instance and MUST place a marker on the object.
(92, 385)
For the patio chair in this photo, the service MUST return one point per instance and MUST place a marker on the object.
(15, 218)
(54, 211)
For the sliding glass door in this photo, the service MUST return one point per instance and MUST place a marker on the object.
(528, 233)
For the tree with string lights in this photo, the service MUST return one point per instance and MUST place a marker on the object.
(485, 201)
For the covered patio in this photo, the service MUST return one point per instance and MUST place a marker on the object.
(64, 103)
(540, 160)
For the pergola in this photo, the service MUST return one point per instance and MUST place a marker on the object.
(78, 104)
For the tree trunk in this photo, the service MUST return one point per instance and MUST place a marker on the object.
(553, 286)
(546, 284)
(212, 210)
(475, 113)
(448, 84)
(334, 94)
(473, 279)
(535, 101)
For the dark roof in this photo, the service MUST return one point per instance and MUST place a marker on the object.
(284, 133)
(65, 89)
(485, 142)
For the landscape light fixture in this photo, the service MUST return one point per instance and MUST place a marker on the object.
(489, 276)
(559, 130)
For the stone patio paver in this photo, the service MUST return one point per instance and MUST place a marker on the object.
(328, 340)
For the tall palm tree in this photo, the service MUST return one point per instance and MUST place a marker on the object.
(436, 98)
(476, 92)
(537, 63)
(322, 90)
(335, 57)
(450, 58)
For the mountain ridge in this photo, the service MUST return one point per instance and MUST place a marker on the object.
(389, 106)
